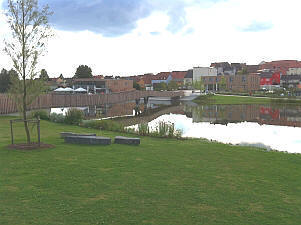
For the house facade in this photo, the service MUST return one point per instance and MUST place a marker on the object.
(163, 77)
(292, 81)
(199, 72)
(238, 83)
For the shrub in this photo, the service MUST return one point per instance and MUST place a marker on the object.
(143, 129)
(162, 129)
(171, 130)
(109, 125)
(74, 116)
(40, 113)
(57, 118)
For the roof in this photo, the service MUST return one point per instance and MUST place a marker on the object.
(189, 74)
(162, 76)
(281, 65)
(88, 79)
(178, 75)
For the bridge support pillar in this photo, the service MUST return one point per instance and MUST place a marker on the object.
(137, 101)
(146, 100)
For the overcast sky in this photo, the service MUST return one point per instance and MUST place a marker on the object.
(130, 37)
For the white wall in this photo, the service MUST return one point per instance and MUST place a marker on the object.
(199, 72)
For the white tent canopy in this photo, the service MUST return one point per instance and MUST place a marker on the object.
(68, 89)
(80, 90)
(60, 89)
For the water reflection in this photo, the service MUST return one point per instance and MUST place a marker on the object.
(280, 138)
(270, 126)
(280, 115)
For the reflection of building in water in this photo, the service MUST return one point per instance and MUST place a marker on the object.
(112, 110)
(214, 113)
(223, 114)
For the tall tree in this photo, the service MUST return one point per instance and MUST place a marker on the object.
(44, 75)
(222, 83)
(61, 77)
(83, 71)
(6, 79)
(30, 31)
(198, 85)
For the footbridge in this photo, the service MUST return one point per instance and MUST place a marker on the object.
(46, 101)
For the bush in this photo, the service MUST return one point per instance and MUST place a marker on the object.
(109, 125)
(74, 116)
(143, 129)
(43, 115)
(57, 118)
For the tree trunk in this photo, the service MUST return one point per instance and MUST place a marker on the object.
(24, 76)
(24, 112)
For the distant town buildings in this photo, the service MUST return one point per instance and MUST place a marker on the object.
(220, 76)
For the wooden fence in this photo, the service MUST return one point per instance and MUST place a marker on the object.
(7, 103)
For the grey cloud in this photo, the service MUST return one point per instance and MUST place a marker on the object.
(116, 17)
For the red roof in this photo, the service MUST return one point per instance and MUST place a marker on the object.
(161, 76)
(98, 76)
(281, 65)
(178, 75)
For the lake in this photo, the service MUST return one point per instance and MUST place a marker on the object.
(276, 127)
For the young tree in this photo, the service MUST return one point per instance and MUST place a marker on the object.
(198, 85)
(83, 71)
(136, 86)
(30, 31)
(222, 84)
(172, 86)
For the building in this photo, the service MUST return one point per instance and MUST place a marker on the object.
(281, 65)
(178, 77)
(188, 79)
(199, 72)
(224, 68)
(293, 71)
(269, 80)
(95, 85)
(243, 83)
(237, 83)
(163, 77)
(292, 81)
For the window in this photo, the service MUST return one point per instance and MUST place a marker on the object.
(243, 79)
(231, 80)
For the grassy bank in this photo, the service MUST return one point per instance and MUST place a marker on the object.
(235, 100)
(162, 181)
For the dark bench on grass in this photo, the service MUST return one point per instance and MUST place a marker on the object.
(127, 140)
(66, 134)
(88, 140)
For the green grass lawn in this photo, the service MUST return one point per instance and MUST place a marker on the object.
(238, 100)
(162, 181)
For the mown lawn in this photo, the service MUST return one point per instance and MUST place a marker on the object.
(231, 100)
(239, 100)
(159, 182)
